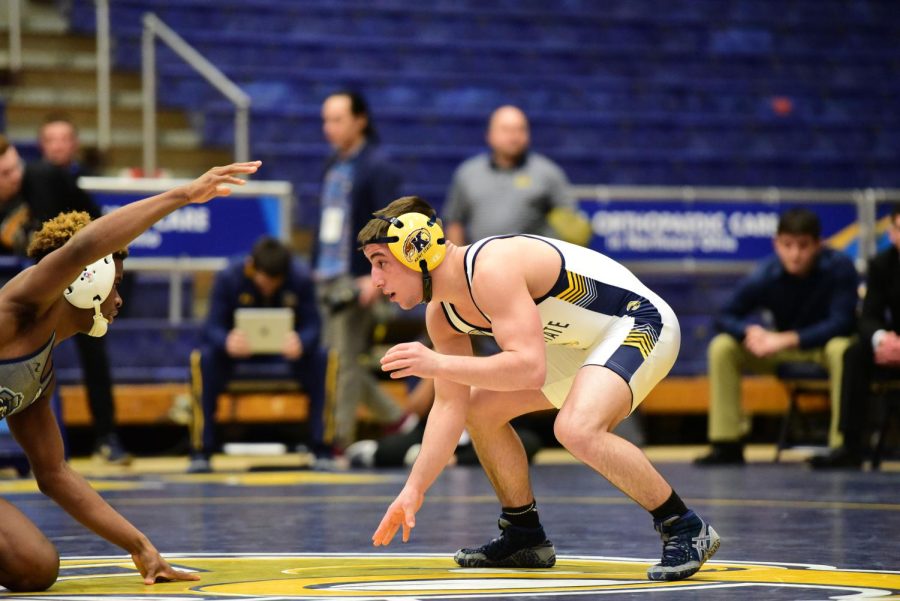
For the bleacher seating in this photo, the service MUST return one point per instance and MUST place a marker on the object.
(143, 345)
(643, 92)
(744, 92)
(140, 350)
(146, 295)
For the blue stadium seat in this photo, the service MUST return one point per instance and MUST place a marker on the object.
(140, 350)
(691, 88)
(146, 295)
(664, 92)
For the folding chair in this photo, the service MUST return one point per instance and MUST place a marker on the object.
(799, 378)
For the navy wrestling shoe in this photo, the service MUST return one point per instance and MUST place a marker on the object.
(516, 547)
(688, 542)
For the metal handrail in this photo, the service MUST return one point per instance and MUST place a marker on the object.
(104, 110)
(15, 35)
(153, 28)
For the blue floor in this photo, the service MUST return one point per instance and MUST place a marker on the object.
(787, 533)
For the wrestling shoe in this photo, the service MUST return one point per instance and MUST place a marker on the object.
(110, 451)
(722, 453)
(841, 458)
(688, 542)
(516, 547)
(199, 464)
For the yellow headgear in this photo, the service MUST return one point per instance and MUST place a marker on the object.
(416, 240)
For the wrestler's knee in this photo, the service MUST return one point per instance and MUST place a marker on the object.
(572, 433)
(37, 570)
(482, 409)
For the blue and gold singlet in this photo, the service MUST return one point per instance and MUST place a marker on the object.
(23, 380)
(597, 313)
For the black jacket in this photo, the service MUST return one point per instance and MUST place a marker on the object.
(375, 184)
(49, 190)
(881, 307)
(46, 191)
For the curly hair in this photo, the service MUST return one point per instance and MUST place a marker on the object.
(57, 231)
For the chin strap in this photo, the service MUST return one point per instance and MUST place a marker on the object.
(101, 324)
(426, 283)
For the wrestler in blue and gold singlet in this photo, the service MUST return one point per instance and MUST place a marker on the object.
(24, 379)
(597, 313)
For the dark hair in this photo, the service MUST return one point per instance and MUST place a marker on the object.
(800, 222)
(4, 144)
(377, 227)
(359, 107)
(271, 257)
(58, 117)
(895, 210)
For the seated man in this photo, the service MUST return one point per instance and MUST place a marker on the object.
(876, 354)
(810, 292)
(266, 278)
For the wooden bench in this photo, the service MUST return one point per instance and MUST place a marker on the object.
(149, 404)
(760, 395)
(136, 404)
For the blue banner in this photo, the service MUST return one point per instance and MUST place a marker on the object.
(222, 228)
(705, 231)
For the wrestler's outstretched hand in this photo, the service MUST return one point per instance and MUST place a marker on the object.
(401, 513)
(217, 180)
(154, 568)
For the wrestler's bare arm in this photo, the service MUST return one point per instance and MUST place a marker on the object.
(45, 282)
(445, 425)
(501, 290)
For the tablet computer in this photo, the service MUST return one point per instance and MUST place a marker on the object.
(264, 328)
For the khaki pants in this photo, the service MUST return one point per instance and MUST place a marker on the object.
(347, 334)
(728, 359)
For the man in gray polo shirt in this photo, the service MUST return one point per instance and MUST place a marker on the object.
(510, 190)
